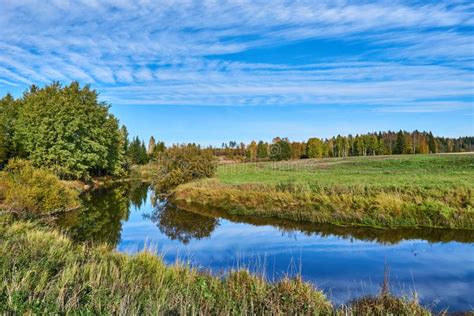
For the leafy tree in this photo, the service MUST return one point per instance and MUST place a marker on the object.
(252, 150)
(262, 150)
(181, 164)
(67, 130)
(297, 150)
(315, 148)
(280, 150)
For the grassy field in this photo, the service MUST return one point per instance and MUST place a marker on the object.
(43, 272)
(395, 191)
(447, 170)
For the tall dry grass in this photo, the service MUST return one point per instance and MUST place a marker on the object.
(43, 272)
(350, 205)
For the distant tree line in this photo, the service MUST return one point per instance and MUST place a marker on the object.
(371, 144)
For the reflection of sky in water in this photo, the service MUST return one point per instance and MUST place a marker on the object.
(442, 273)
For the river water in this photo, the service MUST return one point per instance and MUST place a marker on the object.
(344, 262)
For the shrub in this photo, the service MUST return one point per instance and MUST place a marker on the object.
(181, 164)
(28, 190)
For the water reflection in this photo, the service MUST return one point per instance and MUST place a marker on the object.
(346, 262)
(105, 209)
(180, 225)
(382, 236)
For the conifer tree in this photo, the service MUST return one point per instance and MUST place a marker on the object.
(400, 145)
(432, 146)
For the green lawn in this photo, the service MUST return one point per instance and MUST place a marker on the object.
(408, 170)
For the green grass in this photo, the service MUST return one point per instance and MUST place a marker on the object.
(435, 191)
(379, 171)
(43, 272)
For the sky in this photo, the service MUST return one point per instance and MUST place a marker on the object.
(214, 71)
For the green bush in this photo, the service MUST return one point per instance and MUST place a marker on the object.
(181, 164)
(28, 190)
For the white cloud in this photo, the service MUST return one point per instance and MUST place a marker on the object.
(148, 52)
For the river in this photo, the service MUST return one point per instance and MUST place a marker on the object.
(344, 262)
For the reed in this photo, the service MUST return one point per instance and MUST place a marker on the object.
(387, 207)
(43, 272)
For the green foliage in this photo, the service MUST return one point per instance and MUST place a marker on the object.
(432, 144)
(8, 115)
(67, 130)
(280, 150)
(315, 148)
(400, 145)
(180, 164)
(262, 150)
(137, 152)
(371, 144)
(29, 191)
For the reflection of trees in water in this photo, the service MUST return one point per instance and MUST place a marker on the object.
(104, 209)
(138, 192)
(181, 225)
(383, 236)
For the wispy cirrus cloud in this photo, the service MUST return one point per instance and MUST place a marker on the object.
(187, 52)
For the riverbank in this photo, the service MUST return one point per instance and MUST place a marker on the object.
(51, 274)
(435, 191)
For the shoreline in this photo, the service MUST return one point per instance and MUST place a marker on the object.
(78, 278)
(381, 208)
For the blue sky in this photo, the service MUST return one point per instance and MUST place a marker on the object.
(214, 71)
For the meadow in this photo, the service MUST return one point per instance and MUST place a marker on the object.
(380, 191)
(443, 170)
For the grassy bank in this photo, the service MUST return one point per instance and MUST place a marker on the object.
(43, 272)
(405, 191)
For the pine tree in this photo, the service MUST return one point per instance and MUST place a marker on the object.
(400, 145)
(432, 146)
(8, 115)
